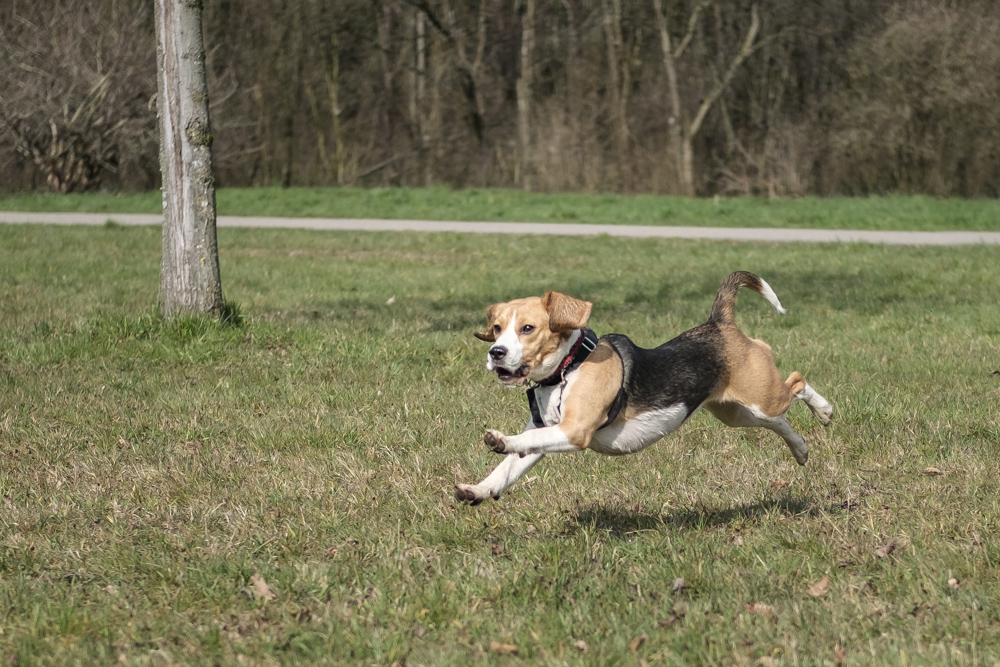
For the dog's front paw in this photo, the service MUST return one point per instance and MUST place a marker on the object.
(466, 494)
(496, 441)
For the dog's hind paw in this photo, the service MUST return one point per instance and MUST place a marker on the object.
(465, 494)
(820, 407)
(496, 441)
(823, 413)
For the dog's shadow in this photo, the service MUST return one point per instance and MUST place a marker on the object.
(617, 521)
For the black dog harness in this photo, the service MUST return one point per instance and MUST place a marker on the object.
(586, 344)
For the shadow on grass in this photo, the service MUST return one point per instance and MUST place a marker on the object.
(619, 522)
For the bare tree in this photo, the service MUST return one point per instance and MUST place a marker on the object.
(683, 132)
(189, 274)
(71, 105)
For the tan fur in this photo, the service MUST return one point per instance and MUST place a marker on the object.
(554, 312)
(753, 378)
(565, 313)
(594, 390)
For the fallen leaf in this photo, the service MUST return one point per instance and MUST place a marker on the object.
(767, 661)
(779, 484)
(637, 642)
(819, 589)
(502, 649)
(762, 609)
(932, 471)
(581, 645)
(261, 588)
(886, 548)
(419, 630)
(839, 655)
(668, 621)
(678, 585)
(953, 582)
(392, 300)
(112, 589)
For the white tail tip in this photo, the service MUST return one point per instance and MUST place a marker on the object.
(769, 294)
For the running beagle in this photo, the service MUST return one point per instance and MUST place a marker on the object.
(615, 398)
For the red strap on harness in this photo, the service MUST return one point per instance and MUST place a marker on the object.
(584, 345)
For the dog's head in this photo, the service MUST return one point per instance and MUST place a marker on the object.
(531, 336)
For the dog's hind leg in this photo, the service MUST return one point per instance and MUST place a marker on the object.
(740, 416)
(512, 468)
(820, 407)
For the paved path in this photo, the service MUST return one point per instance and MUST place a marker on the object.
(568, 229)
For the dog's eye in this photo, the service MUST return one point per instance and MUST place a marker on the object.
(496, 329)
(527, 329)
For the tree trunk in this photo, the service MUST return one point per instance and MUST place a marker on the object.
(616, 62)
(388, 89)
(674, 121)
(189, 273)
(420, 92)
(333, 87)
(524, 85)
(682, 135)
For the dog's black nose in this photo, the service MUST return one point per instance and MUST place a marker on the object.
(498, 352)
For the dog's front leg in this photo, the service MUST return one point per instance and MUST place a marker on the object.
(547, 440)
(512, 468)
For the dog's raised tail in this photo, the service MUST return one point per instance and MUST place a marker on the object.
(725, 299)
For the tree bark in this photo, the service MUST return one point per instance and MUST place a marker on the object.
(674, 120)
(189, 273)
(618, 96)
(524, 86)
(333, 88)
(388, 89)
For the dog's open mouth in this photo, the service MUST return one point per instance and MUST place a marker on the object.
(512, 377)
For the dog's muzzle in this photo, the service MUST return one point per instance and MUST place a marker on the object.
(496, 355)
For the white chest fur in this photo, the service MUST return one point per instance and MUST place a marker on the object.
(550, 400)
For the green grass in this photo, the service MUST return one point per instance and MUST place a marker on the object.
(148, 470)
(875, 213)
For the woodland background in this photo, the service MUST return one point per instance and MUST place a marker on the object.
(776, 97)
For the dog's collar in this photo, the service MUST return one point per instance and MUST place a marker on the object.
(584, 345)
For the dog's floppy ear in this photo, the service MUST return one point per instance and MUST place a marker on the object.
(565, 312)
(488, 335)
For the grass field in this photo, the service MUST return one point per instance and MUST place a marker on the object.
(151, 471)
(874, 213)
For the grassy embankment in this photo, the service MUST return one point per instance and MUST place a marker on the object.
(148, 471)
(876, 213)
